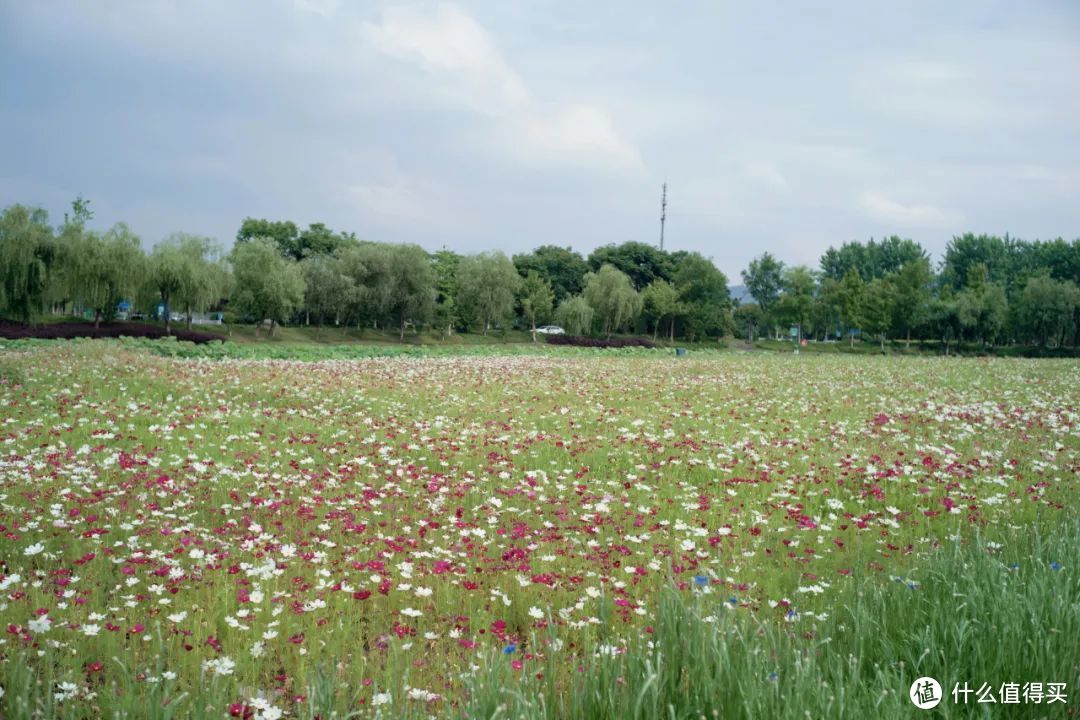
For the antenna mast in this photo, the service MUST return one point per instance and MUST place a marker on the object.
(663, 212)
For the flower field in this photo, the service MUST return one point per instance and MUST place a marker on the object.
(267, 539)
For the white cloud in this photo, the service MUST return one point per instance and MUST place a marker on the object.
(326, 8)
(880, 207)
(766, 174)
(464, 61)
(448, 41)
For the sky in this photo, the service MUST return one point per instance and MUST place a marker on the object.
(785, 127)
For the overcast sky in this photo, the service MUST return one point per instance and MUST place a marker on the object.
(785, 127)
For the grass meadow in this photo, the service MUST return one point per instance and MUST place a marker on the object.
(536, 534)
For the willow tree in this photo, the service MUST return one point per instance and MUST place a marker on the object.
(121, 271)
(660, 301)
(205, 276)
(488, 283)
(613, 298)
(575, 314)
(267, 285)
(27, 257)
(536, 298)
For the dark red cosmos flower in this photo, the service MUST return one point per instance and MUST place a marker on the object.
(241, 710)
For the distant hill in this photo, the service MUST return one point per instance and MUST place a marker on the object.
(740, 295)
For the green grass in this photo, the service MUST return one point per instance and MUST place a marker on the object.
(977, 616)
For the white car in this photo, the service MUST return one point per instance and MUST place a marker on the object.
(550, 330)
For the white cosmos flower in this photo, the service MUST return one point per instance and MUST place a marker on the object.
(90, 630)
(535, 612)
(382, 699)
(34, 549)
(40, 625)
(220, 666)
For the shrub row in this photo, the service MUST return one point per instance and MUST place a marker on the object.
(582, 341)
(68, 330)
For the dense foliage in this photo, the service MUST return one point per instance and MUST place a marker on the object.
(988, 290)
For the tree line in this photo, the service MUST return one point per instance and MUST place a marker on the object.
(987, 289)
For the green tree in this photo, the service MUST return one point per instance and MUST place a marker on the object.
(764, 280)
(268, 286)
(796, 302)
(168, 274)
(536, 300)
(122, 272)
(28, 255)
(703, 295)
(613, 298)
(748, 318)
(575, 315)
(320, 240)
(204, 276)
(873, 260)
(965, 252)
(852, 297)
(826, 316)
(877, 308)
(395, 284)
(912, 296)
(1048, 309)
(284, 233)
(982, 306)
(489, 282)
(993, 313)
(80, 213)
(445, 265)
(563, 268)
(327, 290)
(407, 286)
(641, 262)
(1061, 259)
(945, 316)
(660, 301)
